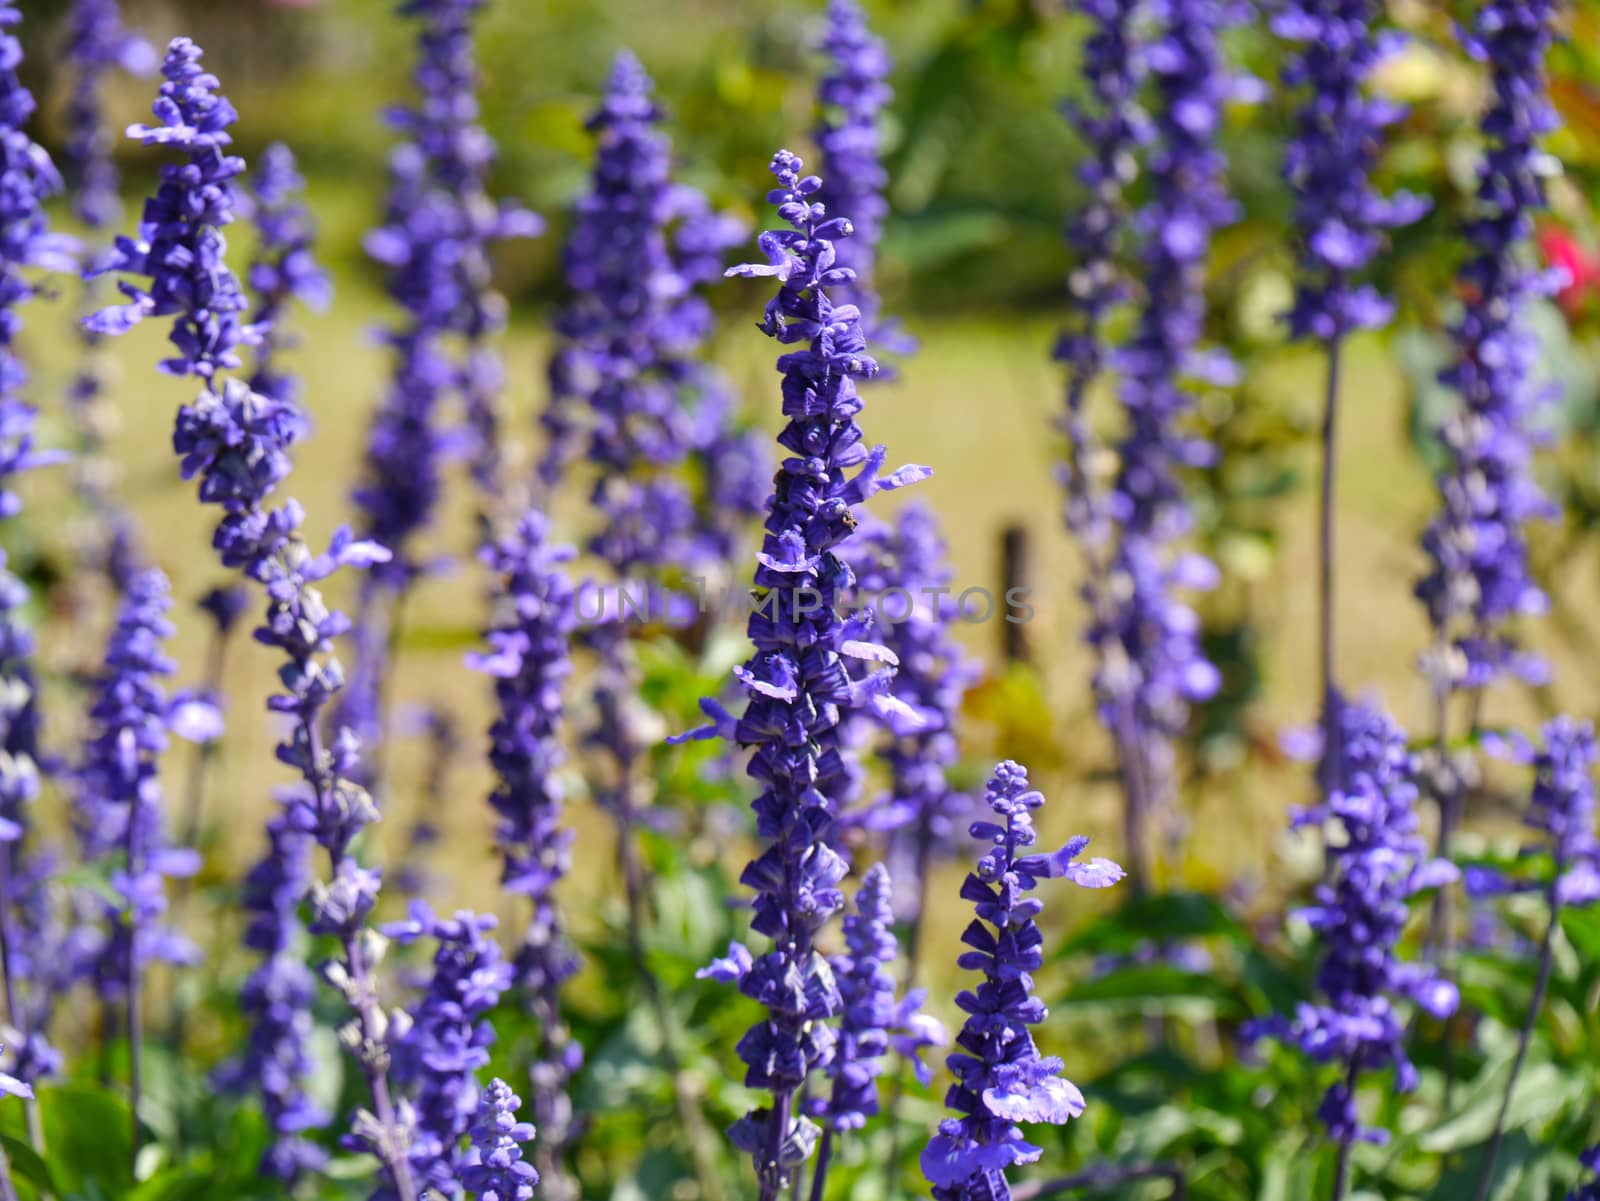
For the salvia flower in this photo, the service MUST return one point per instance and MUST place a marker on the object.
(495, 1169)
(798, 682)
(96, 44)
(1112, 127)
(1359, 914)
(284, 269)
(1561, 811)
(437, 1057)
(1150, 666)
(1478, 579)
(903, 564)
(872, 1021)
(236, 442)
(529, 661)
(277, 998)
(1588, 1190)
(1339, 216)
(1001, 1079)
(120, 787)
(26, 179)
(852, 94)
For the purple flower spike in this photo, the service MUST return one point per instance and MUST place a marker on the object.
(1359, 914)
(25, 243)
(284, 269)
(872, 1021)
(495, 1170)
(1338, 214)
(798, 682)
(1001, 1079)
(528, 659)
(1588, 1190)
(96, 44)
(277, 997)
(437, 1057)
(236, 443)
(852, 95)
(1478, 581)
(120, 804)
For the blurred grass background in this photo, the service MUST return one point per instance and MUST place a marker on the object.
(983, 174)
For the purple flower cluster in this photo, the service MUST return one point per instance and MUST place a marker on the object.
(120, 803)
(284, 269)
(1339, 216)
(236, 442)
(277, 998)
(495, 1170)
(446, 1039)
(852, 95)
(1589, 1190)
(872, 1021)
(528, 659)
(626, 383)
(96, 44)
(904, 564)
(1150, 667)
(1001, 1079)
(26, 179)
(797, 683)
(1561, 810)
(1479, 580)
(1113, 127)
(1359, 914)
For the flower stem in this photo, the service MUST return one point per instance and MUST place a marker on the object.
(1535, 1005)
(135, 1012)
(824, 1157)
(1325, 558)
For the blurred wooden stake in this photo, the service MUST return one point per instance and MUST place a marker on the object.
(1016, 573)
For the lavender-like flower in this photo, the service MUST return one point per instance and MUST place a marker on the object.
(1561, 810)
(284, 269)
(1339, 219)
(798, 683)
(1589, 1190)
(903, 564)
(852, 95)
(1359, 913)
(447, 1040)
(495, 1168)
(1001, 1079)
(236, 442)
(528, 659)
(277, 998)
(1150, 667)
(438, 225)
(873, 1021)
(26, 179)
(96, 44)
(1478, 581)
(1112, 129)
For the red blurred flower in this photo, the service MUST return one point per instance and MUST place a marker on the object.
(1558, 248)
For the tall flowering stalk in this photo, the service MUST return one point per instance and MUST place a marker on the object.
(496, 1170)
(285, 270)
(438, 225)
(872, 1022)
(1359, 914)
(529, 662)
(1562, 813)
(237, 443)
(1478, 580)
(852, 95)
(1149, 664)
(121, 795)
(1339, 221)
(1001, 1079)
(799, 682)
(902, 563)
(25, 243)
(97, 44)
(277, 999)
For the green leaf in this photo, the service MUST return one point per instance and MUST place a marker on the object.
(26, 1165)
(1155, 989)
(88, 1133)
(1174, 917)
